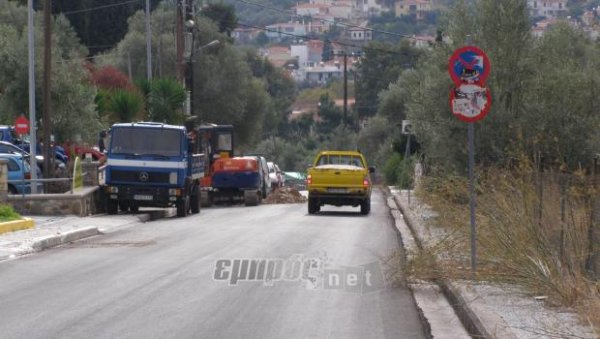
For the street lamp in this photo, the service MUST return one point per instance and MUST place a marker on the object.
(190, 77)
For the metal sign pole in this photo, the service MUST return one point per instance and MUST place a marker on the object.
(471, 137)
(470, 101)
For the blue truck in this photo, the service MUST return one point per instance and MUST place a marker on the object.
(153, 164)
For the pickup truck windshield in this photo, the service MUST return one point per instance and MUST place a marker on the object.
(340, 160)
(146, 141)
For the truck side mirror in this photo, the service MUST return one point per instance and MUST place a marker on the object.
(371, 169)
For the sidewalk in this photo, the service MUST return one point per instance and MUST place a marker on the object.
(56, 230)
(499, 310)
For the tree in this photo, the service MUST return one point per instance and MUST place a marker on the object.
(125, 106)
(543, 91)
(131, 50)
(165, 101)
(381, 65)
(73, 113)
(109, 78)
(223, 15)
(89, 17)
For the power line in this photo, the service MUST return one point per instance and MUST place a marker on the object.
(333, 21)
(306, 37)
(100, 7)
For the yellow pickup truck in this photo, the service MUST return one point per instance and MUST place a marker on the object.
(339, 178)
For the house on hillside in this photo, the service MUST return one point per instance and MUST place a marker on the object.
(370, 7)
(341, 9)
(359, 32)
(422, 41)
(278, 55)
(281, 31)
(548, 8)
(414, 8)
(321, 74)
(245, 35)
(311, 9)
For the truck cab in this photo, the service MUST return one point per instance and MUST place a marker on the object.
(152, 164)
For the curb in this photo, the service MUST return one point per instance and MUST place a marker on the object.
(467, 316)
(16, 225)
(56, 240)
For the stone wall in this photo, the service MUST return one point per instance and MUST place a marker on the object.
(82, 201)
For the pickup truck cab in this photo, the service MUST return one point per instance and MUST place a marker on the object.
(339, 178)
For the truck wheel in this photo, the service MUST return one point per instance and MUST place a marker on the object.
(365, 206)
(182, 207)
(313, 206)
(251, 198)
(195, 203)
(112, 206)
(205, 199)
(124, 205)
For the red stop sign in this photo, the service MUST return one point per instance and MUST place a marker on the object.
(22, 125)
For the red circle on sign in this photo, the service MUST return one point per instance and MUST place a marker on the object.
(457, 61)
(470, 103)
(22, 125)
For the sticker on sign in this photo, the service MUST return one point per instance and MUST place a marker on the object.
(470, 103)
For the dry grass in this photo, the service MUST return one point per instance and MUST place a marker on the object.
(516, 243)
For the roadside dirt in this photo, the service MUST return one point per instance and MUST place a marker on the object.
(285, 195)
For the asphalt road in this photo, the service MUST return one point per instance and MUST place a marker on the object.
(157, 280)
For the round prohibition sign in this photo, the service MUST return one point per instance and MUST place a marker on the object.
(469, 65)
(470, 103)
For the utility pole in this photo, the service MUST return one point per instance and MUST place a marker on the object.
(32, 119)
(345, 117)
(179, 42)
(148, 42)
(188, 52)
(48, 154)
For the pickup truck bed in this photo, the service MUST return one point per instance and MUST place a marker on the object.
(338, 184)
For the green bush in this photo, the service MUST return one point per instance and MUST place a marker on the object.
(7, 213)
(398, 172)
(390, 169)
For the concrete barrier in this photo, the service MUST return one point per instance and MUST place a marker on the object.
(3, 180)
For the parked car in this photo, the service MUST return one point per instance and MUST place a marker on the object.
(276, 175)
(268, 184)
(18, 171)
(8, 148)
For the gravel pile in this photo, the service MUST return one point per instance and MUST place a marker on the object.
(285, 195)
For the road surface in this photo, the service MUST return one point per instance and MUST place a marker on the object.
(184, 278)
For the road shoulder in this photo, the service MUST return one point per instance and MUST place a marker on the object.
(489, 310)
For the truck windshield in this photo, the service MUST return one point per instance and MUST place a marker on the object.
(146, 141)
(340, 160)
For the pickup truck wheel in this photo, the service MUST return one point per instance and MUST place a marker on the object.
(195, 203)
(313, 206)
(365, 206)
(182, 207)
(112, 206)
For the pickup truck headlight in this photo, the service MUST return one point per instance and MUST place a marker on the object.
(173, 178)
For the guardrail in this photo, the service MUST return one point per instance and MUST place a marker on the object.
(29, 181)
